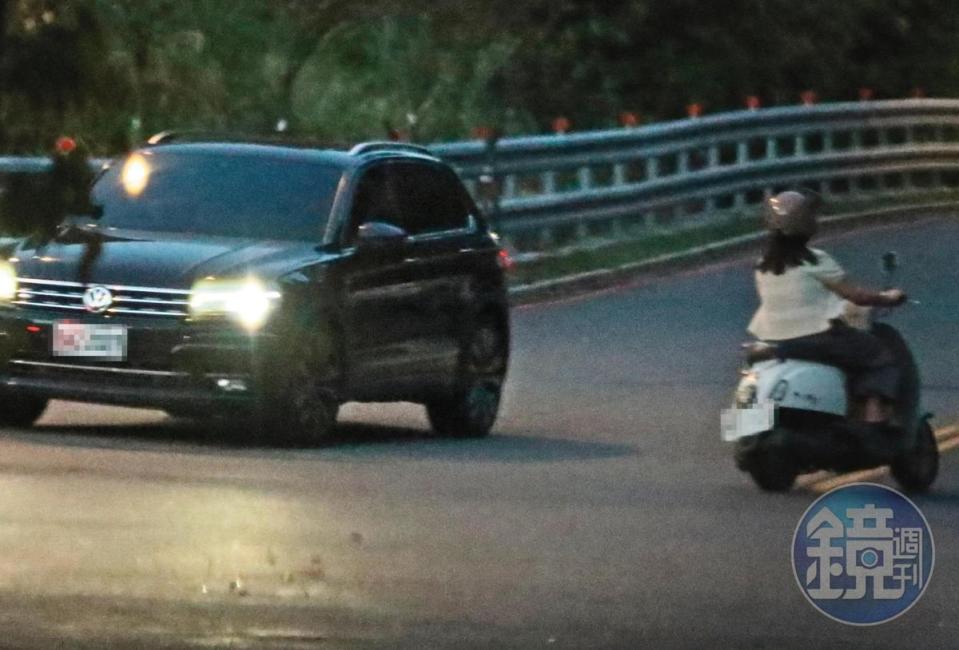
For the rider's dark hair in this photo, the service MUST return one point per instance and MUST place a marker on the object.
(784, 252)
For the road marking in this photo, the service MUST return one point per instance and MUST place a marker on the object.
(951, 443)
(821, 482)
(946, 433)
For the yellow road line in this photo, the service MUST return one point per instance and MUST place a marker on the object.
(821, 482)
(951, 443)
(947, 432)
(861, 476)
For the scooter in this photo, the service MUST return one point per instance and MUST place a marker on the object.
(790, 417)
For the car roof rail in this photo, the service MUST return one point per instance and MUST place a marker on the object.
(163, 137)
(187, 135)
(387, 146)
(208, 137)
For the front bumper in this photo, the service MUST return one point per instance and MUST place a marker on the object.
(173, 364)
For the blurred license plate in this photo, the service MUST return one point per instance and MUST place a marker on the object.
(90, 341)
(742, 422)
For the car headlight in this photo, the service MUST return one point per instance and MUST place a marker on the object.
(8, 282)
(247, 300)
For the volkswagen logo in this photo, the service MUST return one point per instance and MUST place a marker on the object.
(97, 299)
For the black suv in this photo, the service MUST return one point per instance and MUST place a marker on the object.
(265, 283)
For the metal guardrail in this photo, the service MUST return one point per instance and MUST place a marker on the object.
(23, 165)
(630, 182)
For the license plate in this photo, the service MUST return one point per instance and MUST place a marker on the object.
(741, 422)
(93, 341)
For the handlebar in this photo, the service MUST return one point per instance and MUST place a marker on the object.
(906, 300)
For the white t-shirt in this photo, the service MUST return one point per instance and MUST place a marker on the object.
(797, 303)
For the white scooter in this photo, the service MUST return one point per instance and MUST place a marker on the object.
(791, 417)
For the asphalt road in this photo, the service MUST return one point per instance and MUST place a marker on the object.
(605, 512)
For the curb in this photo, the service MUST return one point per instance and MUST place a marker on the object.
(663, 265)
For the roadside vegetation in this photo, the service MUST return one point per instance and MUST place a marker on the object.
(112, 71)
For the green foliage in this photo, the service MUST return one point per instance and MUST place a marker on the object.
(112, 71)
(368, 78)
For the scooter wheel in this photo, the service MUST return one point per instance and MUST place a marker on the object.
(773, 472)
(916, 469)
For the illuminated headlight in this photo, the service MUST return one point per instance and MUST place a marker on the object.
(8, 282)
(247, 301)
(746, 392)
(135, 175)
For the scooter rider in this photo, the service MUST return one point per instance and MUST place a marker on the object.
(801, 292)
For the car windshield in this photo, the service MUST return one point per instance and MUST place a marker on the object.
(220, 194)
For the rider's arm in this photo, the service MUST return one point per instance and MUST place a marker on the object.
(861, 296)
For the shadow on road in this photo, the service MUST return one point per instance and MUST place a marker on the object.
(354, 442)
(373, 442)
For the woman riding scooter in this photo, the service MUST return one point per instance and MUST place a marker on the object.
(800, 316)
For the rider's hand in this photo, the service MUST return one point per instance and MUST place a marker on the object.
(894, 297)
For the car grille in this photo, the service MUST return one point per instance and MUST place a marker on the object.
(135, 301)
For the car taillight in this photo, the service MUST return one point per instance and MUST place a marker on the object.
(504, 260)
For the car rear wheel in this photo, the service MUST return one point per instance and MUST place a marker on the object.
(21, 411)
(470, 412)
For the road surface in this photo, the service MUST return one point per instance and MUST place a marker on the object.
(605, 512)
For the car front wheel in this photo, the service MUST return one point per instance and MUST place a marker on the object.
(20, 410)
(300, 406)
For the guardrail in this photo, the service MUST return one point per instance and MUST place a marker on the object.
(631, 182)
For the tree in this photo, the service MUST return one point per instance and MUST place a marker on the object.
(344, 70)
(49, 67)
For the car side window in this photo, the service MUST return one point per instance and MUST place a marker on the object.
(431, 199)
(375, 199)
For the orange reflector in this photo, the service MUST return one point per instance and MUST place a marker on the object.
(65, 145)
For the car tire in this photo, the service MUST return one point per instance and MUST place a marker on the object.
(21, 411)
(471, 410)
(470, 413)
(301, 406)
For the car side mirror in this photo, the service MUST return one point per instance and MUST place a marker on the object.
(890, 262)
(379, 234)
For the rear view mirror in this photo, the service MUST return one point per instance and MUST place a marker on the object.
(379, 234)
(890, 262)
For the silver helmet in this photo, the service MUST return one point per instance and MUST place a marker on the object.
(791, 213)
